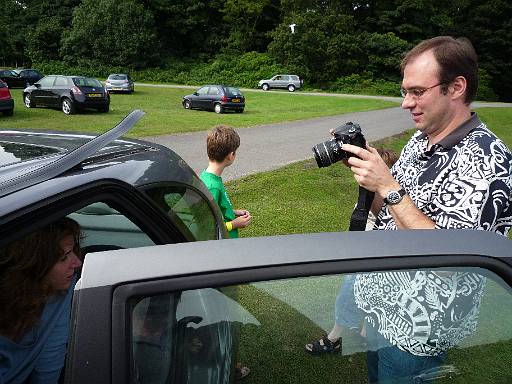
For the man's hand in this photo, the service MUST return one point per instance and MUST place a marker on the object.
(241, 212)
(370, 171)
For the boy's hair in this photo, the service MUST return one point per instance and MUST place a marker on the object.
(388, 155)
(221, 141)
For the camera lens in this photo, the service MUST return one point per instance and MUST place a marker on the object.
(327, 153)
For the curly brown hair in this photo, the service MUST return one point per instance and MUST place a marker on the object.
(24, 264)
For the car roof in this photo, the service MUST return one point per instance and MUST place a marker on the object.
(75, 160)
(13, 179)
(109, 268)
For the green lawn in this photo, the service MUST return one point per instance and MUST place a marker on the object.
(302, 198)
(165, 114)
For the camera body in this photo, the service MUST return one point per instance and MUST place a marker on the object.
(330, 152)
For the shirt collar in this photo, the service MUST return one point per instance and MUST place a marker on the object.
(456, 136)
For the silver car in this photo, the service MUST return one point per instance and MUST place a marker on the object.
(119, 82)
(290, 82)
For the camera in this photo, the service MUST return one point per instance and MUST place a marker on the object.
(330, 152)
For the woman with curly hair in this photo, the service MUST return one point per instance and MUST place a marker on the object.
(37, 276)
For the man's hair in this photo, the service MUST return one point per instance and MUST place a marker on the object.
(24, 265)
(221, 141)
(456, 57)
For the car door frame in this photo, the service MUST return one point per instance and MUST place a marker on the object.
(282, 257)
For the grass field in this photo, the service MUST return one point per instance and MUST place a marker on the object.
(166, 115)
(302, 198)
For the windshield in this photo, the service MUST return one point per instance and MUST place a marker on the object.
(231, 91)
(117, 77)
(87, 82)
(16, 152)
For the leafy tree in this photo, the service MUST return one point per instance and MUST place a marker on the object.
(115, 32)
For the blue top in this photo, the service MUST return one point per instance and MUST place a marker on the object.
(40, 354)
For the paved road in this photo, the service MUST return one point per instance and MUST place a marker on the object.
(267, 147)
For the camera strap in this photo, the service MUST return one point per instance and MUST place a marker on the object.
(360, 213)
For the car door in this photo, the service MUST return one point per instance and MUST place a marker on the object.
(60, 88)
(43, 92)
(187, 313)
(201, 98)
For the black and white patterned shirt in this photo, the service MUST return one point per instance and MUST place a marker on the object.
(463, 182)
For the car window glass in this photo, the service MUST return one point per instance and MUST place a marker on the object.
(451, 325)
(106, 228)
(286, 77)
(86, 82)
(117, 77)
(232, 91)
(202, 91)
(188, 210)
(2, 84)
(61, 81)
(213, 91)
(47, 81)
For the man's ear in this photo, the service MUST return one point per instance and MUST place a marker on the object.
(458, 87)
(231, 156)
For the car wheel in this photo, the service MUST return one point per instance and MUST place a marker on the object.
(187, 104)
(218, 108)
(265, 87)
(291, 88)
(8, 112)
(67, 106)
(28, 101)
(104, 109)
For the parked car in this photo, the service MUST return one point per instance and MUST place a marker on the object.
(6, 100)
(119, 82)
(290, 82)
(218, 98)
(124, 193)
(69, 93)
(20, 78)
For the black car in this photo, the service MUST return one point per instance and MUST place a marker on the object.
(124, 193)
(20, 78)
(69, 93)
(218, 98)
(6, 100)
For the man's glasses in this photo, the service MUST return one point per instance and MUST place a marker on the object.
(416, 93)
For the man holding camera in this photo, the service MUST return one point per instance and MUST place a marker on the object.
(454, 173)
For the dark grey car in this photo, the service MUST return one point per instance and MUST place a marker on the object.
(218, 98)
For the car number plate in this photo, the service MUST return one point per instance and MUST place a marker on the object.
(235, 100)
(94, 95)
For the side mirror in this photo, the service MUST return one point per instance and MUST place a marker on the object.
(196, 94)
(37, 85)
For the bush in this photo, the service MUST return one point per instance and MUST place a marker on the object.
(364, 84)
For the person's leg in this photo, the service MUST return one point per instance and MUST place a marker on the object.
(397, 367)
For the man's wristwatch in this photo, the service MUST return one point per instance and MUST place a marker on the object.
(394, 197)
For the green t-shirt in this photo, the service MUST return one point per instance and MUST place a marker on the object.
(216, 187)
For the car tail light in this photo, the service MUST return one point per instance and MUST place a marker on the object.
(224, 98)
(76, 90)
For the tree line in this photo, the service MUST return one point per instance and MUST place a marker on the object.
(324, 41)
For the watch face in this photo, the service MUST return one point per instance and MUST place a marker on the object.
(394, 197)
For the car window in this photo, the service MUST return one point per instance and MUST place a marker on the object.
(451, 324)
(232, 91)
(106, 228)
(61, 81)
(117, 77)
(295, 78)
(86, 82)
(213, 91)
(47, 81)
(188, 210)
(2, 84)
(202, 91)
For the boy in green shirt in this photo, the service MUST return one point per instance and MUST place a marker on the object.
(221, 145)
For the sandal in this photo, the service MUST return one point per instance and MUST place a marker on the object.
(241, 372)
(324, 345)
